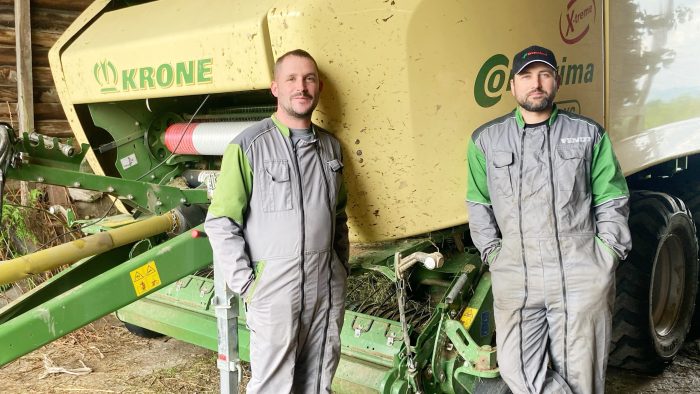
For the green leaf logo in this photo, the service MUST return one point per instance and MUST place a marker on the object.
(106, 75)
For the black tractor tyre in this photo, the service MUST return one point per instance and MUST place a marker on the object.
(491, 386)
(656, 285)
(141, 332)
(687, 188)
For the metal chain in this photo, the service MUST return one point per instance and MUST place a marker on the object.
(401, 295)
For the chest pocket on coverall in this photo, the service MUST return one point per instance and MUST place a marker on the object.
(573, 168)
(277, 187)
(502, 172)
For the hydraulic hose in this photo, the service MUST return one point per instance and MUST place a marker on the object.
(72, 252)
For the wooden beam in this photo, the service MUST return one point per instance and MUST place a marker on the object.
(25, 94)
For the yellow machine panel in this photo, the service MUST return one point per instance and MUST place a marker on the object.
(406, 82)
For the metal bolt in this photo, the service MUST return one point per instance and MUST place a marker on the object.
(183, 200)
(153, 176)
(110, 189)
(136, 123)
(159, 203)
(40, 179)
(130, 197)
(76, 184)
(450, 346)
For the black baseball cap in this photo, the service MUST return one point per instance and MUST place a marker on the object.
(530, 55)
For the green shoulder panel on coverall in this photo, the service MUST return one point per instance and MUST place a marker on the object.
(234, 186)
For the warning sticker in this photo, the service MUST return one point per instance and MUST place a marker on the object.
(468, 317)
(145, 278)
(129, 161)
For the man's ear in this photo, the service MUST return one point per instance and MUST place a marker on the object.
(320, 85)
(558, 81)
(512, 86)
(274, 88)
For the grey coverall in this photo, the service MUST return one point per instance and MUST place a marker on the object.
(548, 208)
(277, 226)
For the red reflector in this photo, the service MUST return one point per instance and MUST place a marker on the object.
(198, 234)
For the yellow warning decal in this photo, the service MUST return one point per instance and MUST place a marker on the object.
(468, 317)
(145, 278)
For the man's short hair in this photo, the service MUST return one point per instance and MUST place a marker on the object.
(297, 53)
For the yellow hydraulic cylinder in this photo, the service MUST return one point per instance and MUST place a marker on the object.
(72, 252)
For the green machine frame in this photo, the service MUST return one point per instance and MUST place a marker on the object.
(151, 283)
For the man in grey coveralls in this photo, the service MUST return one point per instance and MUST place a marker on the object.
(277, 226)
(548, 208)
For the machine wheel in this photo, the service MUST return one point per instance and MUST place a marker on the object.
(656, 285)
(141, 332)
(491, 386)
(688, 190)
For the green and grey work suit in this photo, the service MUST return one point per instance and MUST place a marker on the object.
(277, 226)
(548, 208)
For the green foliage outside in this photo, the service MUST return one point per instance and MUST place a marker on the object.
(14, 230)
(664, 112)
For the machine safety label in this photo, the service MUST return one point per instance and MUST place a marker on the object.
(468, 317)
(129, 161)
(145, 278)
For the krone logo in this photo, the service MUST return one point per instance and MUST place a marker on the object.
(576, 19)
(106, 75)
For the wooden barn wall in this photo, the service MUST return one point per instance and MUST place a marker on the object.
(49, 19)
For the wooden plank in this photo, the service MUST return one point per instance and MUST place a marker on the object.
(42, 19)
(8, 93)
(42, 111)
(52, 19)
(54, 128)
(40, 39)
(57, 195)
(68, 5)
(42, 76)
(46, 95)
(41, 94)
(40, 56)
(25, 93)
(7, 15)
(65, 5)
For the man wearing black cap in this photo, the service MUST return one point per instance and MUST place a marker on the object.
(548, 207)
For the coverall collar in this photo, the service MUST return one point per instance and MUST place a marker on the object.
(285, 130)
(521, 122)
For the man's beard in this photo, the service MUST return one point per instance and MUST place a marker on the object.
(300, 115)
(538, 106)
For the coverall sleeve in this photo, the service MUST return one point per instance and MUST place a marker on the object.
(482, 221)
(341, 243)
(226, 219)
(610, 198)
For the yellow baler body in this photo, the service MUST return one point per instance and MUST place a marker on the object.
(406, 82)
